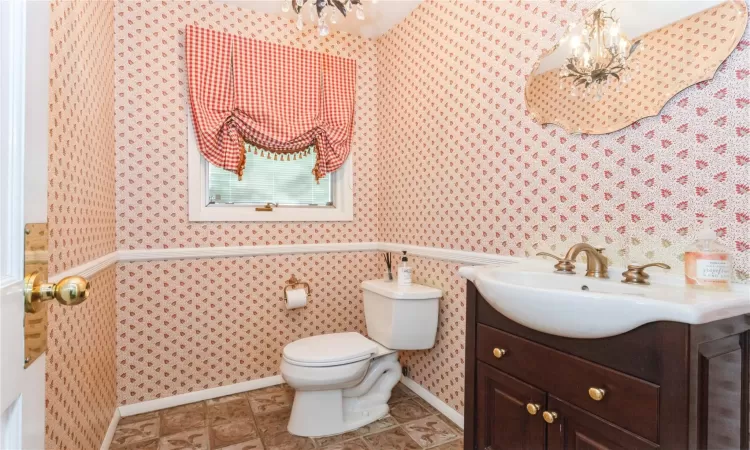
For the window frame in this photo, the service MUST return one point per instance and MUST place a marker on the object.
(200, 211)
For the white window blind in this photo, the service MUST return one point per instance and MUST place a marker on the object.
(270, 181)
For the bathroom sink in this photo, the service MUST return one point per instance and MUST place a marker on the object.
(582, 307)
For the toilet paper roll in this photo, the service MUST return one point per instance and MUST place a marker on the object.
(296, 298)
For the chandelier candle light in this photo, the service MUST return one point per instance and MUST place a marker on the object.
(321, 11)
(600, 56)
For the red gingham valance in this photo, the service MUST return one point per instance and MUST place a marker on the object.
(278, 98)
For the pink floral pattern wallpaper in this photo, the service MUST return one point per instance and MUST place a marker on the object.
(662, 58)
(445, 155)
(81, 179)
(81, 378)
(461, 164)
(188, 325)
(80, 368)
(151, 114)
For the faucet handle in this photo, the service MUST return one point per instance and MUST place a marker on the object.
(563, 265)
(636, 274)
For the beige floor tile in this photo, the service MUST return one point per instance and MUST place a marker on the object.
(227, 398)
(229, 410)
(393, 439)
(255, 444)
(138, 418)
(458, 444)
(182, 421)
(272, 423)
(286, 441)
(400, 393)
(379, 425)
(234, 432)
(356, 444)
(407, 411)
(270, 401)
(426, 406)
(151, 444)
(430, 431)
(190, 407)
(186, 440)
(136, 432)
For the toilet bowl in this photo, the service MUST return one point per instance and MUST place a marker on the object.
(343, 381)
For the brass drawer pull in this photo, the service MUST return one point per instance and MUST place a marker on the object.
(533, 408)
(549, 416)
(597, 393)
(498, 352)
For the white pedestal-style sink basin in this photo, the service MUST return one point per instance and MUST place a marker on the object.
(576, 306)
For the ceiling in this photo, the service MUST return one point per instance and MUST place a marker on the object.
(379, 17)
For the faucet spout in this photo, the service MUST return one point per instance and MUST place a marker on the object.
(596, 263)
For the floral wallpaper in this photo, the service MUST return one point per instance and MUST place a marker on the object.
(189, 325)
(81, 190)
(446, 155)
(151, 107)
(668, 64)
(462, 165)
(81, 378)
(80, 368)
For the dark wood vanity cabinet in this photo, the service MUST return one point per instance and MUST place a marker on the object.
(664, 385)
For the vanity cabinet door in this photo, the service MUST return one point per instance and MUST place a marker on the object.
(575, 429)
(504, 420)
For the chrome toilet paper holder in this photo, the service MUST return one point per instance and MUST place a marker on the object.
(294, 283)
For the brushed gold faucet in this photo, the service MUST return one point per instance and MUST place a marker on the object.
(596, 263)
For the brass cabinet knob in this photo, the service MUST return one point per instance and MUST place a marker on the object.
(498, 352)
(597, 393)
(68, 291)
(549, 416)
(533, 408)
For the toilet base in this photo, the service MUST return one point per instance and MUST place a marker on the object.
(329, 417)
(318, 413)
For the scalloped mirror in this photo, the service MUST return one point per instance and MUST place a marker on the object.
(625, 59)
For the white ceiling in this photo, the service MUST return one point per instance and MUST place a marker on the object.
(379, 17)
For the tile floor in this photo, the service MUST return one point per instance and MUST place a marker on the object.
(256, 420)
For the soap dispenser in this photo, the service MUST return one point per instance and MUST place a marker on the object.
(707, 263)
(404, 271)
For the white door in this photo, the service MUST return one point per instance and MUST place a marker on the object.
(12, 147)
(24, 99)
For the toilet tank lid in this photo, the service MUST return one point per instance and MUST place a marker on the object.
(330, 348)
(391, 289)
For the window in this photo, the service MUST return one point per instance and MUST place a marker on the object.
(215, 194)
(268, 180)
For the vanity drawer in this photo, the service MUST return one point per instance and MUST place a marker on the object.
(629, 402)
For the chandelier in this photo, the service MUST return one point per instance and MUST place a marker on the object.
(599, 57)
(321, 11)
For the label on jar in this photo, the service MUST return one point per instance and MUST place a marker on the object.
(709, 270)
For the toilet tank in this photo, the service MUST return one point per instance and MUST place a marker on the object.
(401, 317)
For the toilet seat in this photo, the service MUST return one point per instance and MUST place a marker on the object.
(328, 350)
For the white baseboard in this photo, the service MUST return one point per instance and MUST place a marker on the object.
(197, 396)
(111, 430)
(436, 403)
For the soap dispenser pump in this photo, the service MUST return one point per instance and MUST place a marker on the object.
(404, 271)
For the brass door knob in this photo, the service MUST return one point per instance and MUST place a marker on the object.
(498, 352)
(533, 408)
(68, 291)
(597, 393)
(549, 416)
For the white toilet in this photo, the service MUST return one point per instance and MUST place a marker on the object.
(343, 380)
